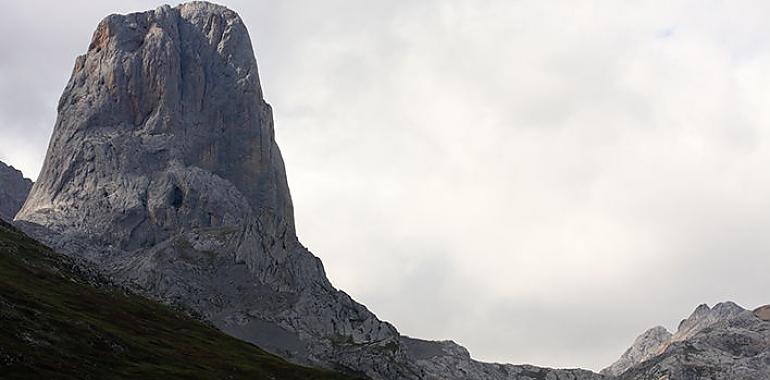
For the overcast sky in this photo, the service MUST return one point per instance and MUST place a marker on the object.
(538, 181)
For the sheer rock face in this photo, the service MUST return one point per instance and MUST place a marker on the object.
(162, 128)
(13, 191)
(725, 342)
(163, 171)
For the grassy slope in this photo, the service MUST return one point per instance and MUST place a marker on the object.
(53, 324)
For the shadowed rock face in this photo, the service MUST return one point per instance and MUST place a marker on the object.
(13, 191)
(164, 172)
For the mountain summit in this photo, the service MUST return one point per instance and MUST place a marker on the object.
(164, 173)
(726, 342)
(162, 128)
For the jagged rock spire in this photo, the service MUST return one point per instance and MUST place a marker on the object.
(162, 127)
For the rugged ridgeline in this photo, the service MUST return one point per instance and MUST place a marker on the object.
(163, 171)
(725, 342)
(13, 191)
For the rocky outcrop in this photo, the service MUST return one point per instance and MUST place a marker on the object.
(719, 343)
(164, 172)
(763, 312)
(704, 317)
(13, 191)
(644, 347)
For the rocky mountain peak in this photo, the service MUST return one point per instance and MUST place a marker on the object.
(726, 339)
(13, 191)
(644, 347)
(724, 342)
(727, 308)
(162, 128)
(703, 317)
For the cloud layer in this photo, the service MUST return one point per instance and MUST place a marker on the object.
(539, 181)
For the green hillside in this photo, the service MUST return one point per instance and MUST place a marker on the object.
(54, 325)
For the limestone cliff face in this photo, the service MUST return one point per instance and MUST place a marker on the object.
(162, 128)
(13, 191)
(163, 171)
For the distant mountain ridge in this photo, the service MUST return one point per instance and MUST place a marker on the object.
(726, 342)
(13, 191)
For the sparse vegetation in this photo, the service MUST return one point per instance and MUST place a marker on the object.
(57, 326)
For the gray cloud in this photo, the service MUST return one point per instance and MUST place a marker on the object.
(540, 181)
